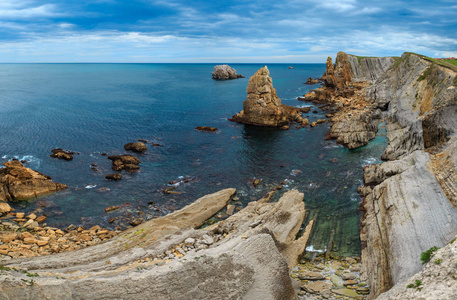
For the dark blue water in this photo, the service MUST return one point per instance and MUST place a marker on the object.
(97, 108)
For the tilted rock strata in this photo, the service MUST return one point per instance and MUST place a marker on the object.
(20, 183)
(245, 256)
(225, 72)
(262, 106)
(406, 214)
(435, 281)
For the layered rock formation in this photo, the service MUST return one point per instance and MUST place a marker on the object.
(225, 72)
(354, 122)
(20, 183)
(411, 205)
(246, 256)
(263, 107)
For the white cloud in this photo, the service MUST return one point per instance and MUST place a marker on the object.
(11, 10)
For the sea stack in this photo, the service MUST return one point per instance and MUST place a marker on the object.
(262, 106)
(225, 72)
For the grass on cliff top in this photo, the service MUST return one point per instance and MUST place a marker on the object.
(449, 64)
(444, 63)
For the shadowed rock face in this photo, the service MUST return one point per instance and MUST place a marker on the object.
(262, 106)
(225, 72)
(247, 256)
(20, 183)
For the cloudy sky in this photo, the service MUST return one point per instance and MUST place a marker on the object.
(222, 30)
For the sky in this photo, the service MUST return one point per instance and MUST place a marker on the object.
(237, 31)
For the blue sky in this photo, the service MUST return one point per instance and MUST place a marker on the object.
(222, 31)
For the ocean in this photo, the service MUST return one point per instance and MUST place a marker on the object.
(96, 108)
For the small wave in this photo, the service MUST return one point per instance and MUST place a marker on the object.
(295, 172)
(370, 161)
(31, 160)
(332, 146)
(311, 249)
(90, 186)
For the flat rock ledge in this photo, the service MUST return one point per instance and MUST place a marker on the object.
(20, 183)
(248, 256)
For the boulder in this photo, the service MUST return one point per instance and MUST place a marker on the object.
(4, 208)
(225, 72)
(138, 147)
(262, 106)
(20, 183)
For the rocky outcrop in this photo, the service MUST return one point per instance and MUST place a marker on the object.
(355, 121)
(262, 106)
(369, 68)
(245, 256)
(435, 281)
(410, 206)
(62, 154)
(20, 183)
(405, 214)
(138, 147)
(206, 128)
(225, 72)
(125, 162)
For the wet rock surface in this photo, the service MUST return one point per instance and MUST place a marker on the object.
(62, 154)
(20, 183)
(138, 147)
(321, 279)
(125, 162)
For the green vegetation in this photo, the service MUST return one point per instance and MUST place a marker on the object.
(427, 72)
(359, 58)
(416, 284)
(452, 61)
(427, 255)
(443, 63)
(438, 261)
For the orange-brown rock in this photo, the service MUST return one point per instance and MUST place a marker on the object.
(125, 162)
(20, 183)
(262, 106)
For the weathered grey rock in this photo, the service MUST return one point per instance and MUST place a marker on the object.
(224, 72)
(317, 287)
(355, 132)
(311, 276)
(248, 261)
(436, 279)
(405, 215)
(368, 68)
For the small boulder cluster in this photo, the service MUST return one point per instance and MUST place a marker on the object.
(331, 279)
(28, 236)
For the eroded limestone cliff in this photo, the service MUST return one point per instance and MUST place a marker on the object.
(410, 205)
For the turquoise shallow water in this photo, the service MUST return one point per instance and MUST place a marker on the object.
(95, 108)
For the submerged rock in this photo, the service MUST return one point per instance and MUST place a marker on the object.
(114, 176)
(206, 128)
(20, 183)
(225, 72)
(262, 106)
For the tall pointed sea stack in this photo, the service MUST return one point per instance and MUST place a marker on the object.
(262, 106)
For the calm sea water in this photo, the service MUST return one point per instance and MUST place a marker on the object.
(96, 108)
